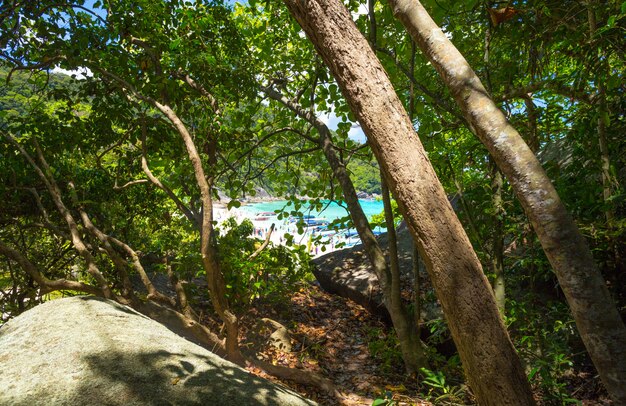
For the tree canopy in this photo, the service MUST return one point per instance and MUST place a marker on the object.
(124, 124)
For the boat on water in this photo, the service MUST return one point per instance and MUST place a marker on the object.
(263, 216)
(310, 221)
(295, 219)
(350, 233)
(316, 222)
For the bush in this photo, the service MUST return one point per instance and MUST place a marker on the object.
(271, 275)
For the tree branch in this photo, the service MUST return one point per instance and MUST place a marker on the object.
(265, 244)
(192, 217)
(437, 98)
(46, 285)
(552, 85)
(45, 174)
(129, 184)
(200, 89)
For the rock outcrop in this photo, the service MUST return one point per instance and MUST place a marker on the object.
(92, 351)
(348, 273)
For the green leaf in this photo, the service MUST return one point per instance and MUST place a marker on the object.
(610, 23)
(174, 44)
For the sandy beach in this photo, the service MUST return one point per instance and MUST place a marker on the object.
(262, 223)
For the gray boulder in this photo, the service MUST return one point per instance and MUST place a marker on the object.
(348, 273)
(92, 351)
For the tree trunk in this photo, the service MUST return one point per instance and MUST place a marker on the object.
(417, 299)
(602, 113)
(597, 319)
(210, 263)
(410, 345)
(497, 237)
(491, 364)
(45, 174)
(410, 342)
(497, 246)
(394, 267)
(605, 157)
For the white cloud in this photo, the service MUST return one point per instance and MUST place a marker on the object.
(363, 10)
(355, 133)
(80, 73)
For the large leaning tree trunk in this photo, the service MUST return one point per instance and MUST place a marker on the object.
(596, 316)
(491, 364)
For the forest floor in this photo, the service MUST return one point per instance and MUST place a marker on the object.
(335, 337)
(353, 348)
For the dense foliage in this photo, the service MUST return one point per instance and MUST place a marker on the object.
(555, 67)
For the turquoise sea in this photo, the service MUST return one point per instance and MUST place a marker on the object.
(331, 210)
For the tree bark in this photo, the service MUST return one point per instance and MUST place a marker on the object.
(394, 266)
(491, 364)
(497, 243)
(208, 252)
(602, 112)
(119, 263)
(596, 316)
(210, 263)
(417, 299)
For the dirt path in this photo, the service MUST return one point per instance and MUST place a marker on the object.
(335, 337)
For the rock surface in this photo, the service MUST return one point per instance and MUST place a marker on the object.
(348, 273)
(92, 351)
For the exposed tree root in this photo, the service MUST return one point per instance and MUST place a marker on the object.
(298, 376)
(184, 326)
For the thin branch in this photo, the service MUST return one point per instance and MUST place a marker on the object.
(129, 184)
(551, 85)
(68, 5)
(45, 174)
(470, 217)
(200, 89)
(264, 245)
(208, 252)
(153, 293)
(34, 66)
(278, 157)
(119, 263)
(48, 224)
(437, 98)
(46, 285)
(193, 217)
(114, 145)
(259, 142)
